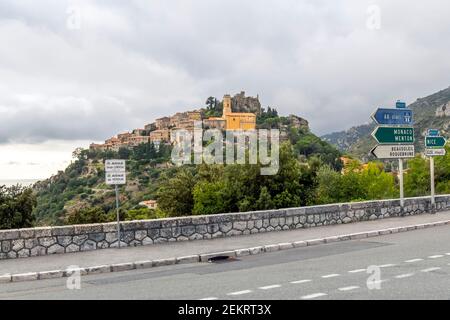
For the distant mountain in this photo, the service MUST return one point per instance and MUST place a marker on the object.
(429, 112)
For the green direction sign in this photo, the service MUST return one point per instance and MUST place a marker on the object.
(434, 142)
(394, 135)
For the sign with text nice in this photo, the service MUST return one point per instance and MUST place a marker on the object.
(394, 135)
(434, 142)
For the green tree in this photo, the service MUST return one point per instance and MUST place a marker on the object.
(417, 178)
(16, 207)
(175, 196)
(87, 215)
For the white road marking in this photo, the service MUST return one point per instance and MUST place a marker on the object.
(348, 288)
(210, 298)
(405, 275)
(237, 293)
(430, 269)
(270, 287)
(314, 295)
(447, 254)
(436, 256)
(300, 281)
(333, 275)
(357, 270)
(414, 260)
(387, 265)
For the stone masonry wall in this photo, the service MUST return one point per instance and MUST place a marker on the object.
(55, 240)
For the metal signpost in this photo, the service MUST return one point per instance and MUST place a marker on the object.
(434, 146)
(115, 174)
(395, 136)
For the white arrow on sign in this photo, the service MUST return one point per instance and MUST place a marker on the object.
(394, 151)
(435, 152)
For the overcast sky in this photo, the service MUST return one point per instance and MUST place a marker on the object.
(73, 72)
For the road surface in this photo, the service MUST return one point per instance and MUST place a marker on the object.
(412, 265)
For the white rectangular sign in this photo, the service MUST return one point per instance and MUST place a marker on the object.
(394, 151)
(434, 152)
(115, 166)
(113, 178)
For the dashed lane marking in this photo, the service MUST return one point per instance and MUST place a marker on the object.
(414, 260)
(430, 269)
(301, 281)
(387, 265)
(270, 287)
(313, 296)
(436, 256)
(333, 275)
(210, 298)
(405, 275)
(349, 288)
(238, 293)
(357, 270)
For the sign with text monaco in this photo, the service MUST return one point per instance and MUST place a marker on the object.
(394, 151)
(393, 116)
(394, 135)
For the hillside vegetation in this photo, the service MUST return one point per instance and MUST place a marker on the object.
(79, 193)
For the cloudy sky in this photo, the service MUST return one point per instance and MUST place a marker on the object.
(73, 72)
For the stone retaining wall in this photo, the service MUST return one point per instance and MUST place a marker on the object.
(53, 240)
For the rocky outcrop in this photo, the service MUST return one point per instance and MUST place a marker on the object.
(443, 111)
(241, 103)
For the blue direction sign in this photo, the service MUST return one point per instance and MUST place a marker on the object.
(393, 116)
(433, 132)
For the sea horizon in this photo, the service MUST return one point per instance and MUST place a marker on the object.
(23, 182)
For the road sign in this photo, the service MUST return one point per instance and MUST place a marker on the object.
(393, 135)
(113, 178)
(433, 132)
(115, 165)
(393, 116)
(394, 151)
(435, 152)
(400, 105)
(435, 142)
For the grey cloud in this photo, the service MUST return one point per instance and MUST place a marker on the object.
(136, 60)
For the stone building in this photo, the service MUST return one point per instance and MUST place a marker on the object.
(162, 123)
(160, 135)
(232, 120)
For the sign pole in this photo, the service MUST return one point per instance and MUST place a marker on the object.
(402, 195)
(118, 215)
(433, 200)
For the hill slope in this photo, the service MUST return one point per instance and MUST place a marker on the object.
(430, 112)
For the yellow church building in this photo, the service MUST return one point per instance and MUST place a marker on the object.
(233, 120)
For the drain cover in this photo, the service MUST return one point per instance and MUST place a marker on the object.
(219, 259)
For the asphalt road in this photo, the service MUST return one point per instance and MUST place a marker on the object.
(411, 265)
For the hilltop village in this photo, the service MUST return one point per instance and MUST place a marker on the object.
(239, 113)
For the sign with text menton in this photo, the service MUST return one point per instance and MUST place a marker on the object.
(394, 135)
(115, 172)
